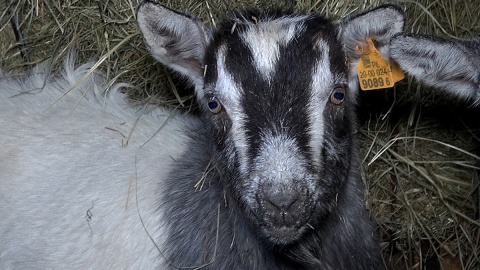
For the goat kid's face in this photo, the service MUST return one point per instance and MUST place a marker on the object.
(279, 93)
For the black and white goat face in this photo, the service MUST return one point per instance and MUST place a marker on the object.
(279, 94)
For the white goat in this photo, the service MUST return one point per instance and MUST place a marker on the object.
(274, 152)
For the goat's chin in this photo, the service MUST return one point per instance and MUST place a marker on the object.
(283, 235)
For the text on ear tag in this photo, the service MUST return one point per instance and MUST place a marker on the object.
(374, 72)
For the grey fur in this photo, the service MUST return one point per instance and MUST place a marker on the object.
(453, 66)
(268, 180)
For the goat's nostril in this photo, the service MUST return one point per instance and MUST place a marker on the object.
(281, 200)
(282, 207)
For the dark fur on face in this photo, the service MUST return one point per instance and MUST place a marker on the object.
(277, 108)
(283, 172)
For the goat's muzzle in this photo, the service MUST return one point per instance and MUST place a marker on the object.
(284, 212)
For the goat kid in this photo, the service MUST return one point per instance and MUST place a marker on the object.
(453, 66)
(273, 156)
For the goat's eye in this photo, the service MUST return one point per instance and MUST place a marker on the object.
(338, 95)
(214, 105)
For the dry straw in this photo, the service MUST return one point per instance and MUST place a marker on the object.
(419, 149)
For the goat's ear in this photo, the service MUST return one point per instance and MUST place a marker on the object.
(452, 66)
(379, 24)
(175, 40)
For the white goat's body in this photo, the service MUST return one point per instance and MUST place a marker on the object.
(68, 186)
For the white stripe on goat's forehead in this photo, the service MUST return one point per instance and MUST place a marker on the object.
(274, 76)
(264, 40)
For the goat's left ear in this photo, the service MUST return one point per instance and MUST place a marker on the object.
(453, 66)
(379, 24)
(174, 39)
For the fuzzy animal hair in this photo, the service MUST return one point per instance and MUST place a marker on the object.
(453, 66)
(78, 169)
(267, 177)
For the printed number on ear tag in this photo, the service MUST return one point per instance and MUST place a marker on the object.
(374, 72)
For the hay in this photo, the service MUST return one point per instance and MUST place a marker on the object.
(421, 165)
(424, 187)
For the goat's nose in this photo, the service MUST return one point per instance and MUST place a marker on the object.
(282, 200)
(282, 207)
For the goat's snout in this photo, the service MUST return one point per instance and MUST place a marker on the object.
(281, 200)
(281, 205)
(284, 210)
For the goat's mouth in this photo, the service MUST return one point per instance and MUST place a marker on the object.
(282, 234)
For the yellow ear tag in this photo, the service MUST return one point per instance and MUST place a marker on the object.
(374, 72)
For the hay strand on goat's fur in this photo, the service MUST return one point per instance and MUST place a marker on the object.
(421, 166)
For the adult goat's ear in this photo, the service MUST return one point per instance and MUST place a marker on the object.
(453, 66)
(174, 39)
(379, 24)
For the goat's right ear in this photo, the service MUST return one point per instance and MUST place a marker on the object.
(174, 39)
(453, 66)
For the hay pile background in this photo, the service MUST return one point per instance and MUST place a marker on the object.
(420, 150)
